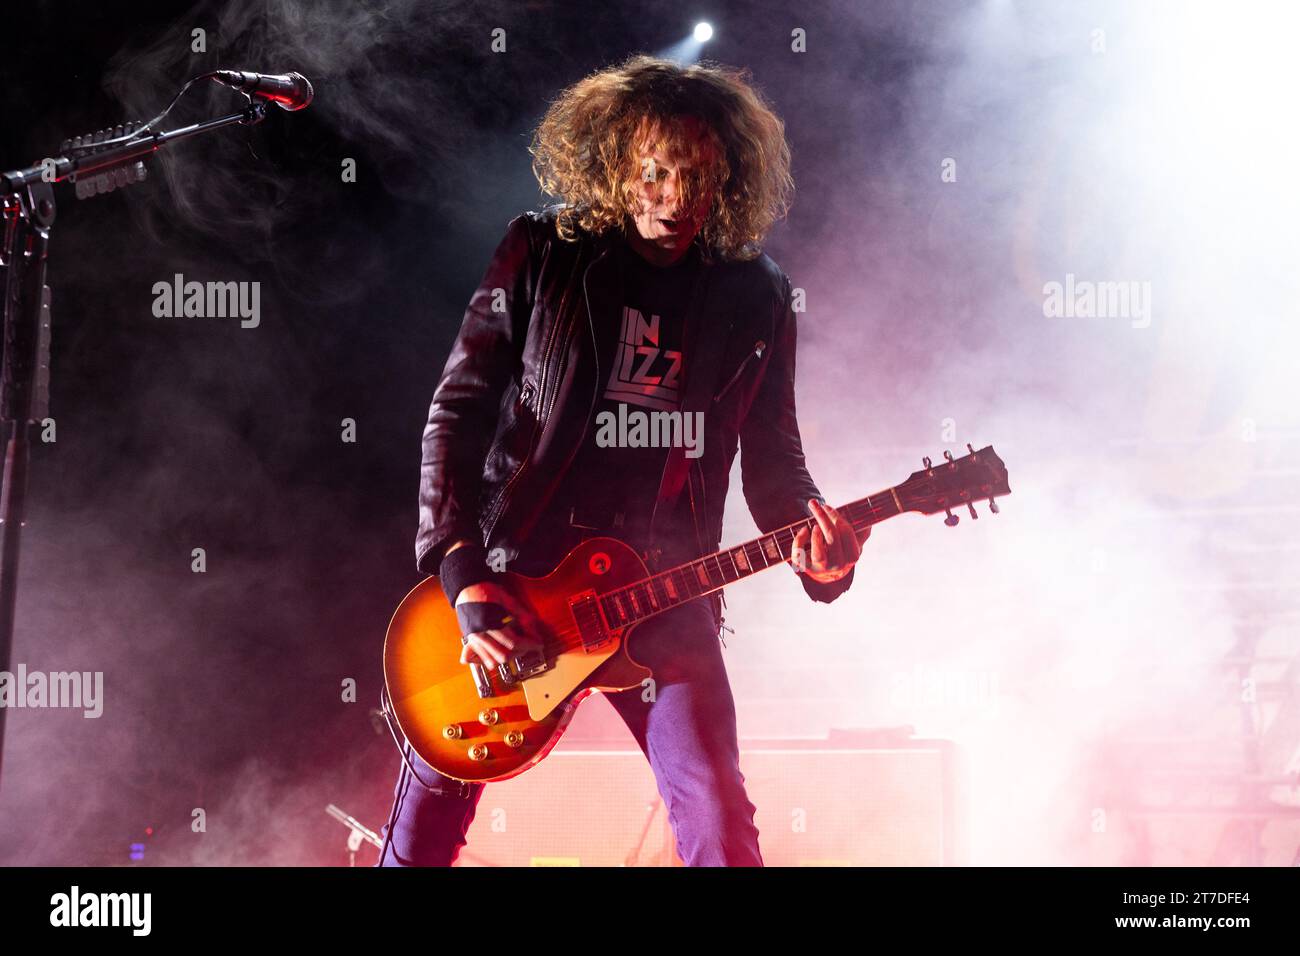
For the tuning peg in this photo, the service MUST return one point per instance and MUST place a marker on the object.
(993, 506)
(973, 514)
(951, 520)
(925, 460)
(948, 455)
(971, 448)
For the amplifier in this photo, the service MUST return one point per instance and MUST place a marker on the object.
(854, 798)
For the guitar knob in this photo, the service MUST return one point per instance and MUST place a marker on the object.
(453, 732)
(515, 738)
(478, 752)
(951, 520)
(971, 506)
(993, 506)
(488, 717)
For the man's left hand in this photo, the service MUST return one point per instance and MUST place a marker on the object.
(831, 548)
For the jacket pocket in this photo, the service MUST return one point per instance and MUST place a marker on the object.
(515, 416)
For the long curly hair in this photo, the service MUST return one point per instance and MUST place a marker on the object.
(586, 150)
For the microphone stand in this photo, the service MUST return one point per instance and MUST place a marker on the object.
(358, 832)
(27, 200)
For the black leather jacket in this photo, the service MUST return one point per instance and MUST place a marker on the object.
(520, 387)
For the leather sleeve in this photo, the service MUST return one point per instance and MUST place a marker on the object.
(774, 475)
(463, 415)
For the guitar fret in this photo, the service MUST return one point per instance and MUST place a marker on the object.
(708, 573)
(610, 607)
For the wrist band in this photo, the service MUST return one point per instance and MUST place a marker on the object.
(477, 616)
(460, 568)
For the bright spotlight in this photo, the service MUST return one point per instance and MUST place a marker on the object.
(703, 32)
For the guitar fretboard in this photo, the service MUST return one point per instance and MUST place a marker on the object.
(635, 602)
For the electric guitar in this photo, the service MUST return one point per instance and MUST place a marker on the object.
(479, 724)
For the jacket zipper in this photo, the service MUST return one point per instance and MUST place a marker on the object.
(498, 507)
(561, 359)
(756, 352)
(570, 331)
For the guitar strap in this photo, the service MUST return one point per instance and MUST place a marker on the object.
(674, 477)
(676, 469)
(704, 342)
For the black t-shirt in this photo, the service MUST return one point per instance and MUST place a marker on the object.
(613, 481)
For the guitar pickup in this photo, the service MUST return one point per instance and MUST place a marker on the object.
(585, 608)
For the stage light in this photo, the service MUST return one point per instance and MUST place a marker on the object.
(687, 50)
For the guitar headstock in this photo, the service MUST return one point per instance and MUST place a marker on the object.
(953, 482)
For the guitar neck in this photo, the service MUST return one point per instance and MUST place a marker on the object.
(650, 596)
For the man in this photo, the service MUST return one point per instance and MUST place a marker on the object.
(645, 288)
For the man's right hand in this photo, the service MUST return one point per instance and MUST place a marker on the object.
(494, 647)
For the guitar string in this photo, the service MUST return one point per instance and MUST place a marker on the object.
(570, 637)
(564, 639)
(890, 495)
(682, 571)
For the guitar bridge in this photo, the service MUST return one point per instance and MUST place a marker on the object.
(522, 666)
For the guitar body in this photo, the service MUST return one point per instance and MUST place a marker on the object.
(474, 724)
(434, 697)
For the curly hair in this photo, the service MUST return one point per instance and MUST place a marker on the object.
(585, 150)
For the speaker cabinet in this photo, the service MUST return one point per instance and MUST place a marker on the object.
(854, 799)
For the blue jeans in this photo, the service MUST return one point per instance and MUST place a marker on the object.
(688, 733)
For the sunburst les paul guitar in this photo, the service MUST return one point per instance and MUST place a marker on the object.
(479, 724)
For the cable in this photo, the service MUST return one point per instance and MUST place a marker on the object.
(135, 134)
(404, 748)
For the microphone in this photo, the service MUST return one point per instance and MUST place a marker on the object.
(289, 91)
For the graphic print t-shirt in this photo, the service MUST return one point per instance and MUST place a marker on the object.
(643, 367)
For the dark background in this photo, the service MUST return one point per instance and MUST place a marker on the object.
(223, 688)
